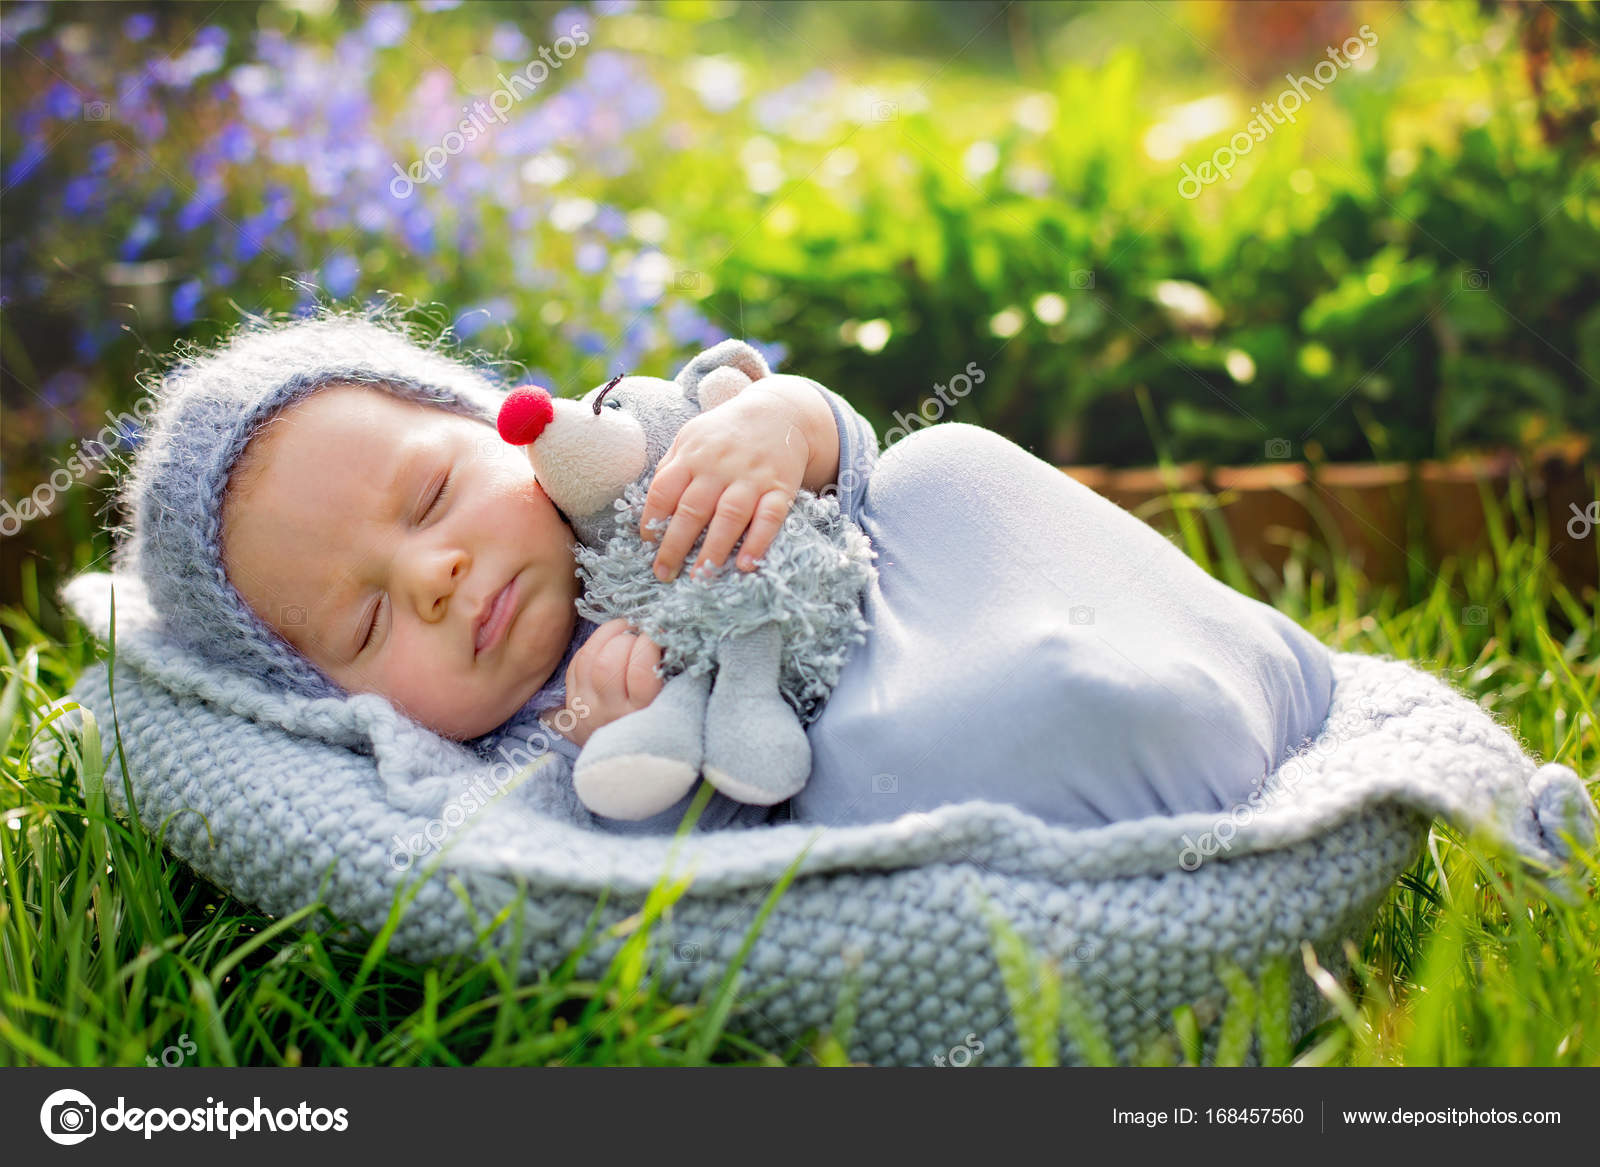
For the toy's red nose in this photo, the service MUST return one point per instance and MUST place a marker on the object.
(524, 414)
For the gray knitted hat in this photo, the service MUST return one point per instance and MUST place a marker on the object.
(208, 408)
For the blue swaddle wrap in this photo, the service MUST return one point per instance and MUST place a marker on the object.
(1032, 643)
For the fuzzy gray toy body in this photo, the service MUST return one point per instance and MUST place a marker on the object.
(750, 656)
(810, 581)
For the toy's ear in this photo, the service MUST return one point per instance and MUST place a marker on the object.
(720, 372)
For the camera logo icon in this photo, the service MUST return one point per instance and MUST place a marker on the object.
(885, 784)
(67, 1117)
(1476, 280)
(1081, 281)
(96, 111)
(686, 952)
(1475, 615)
(293, 615)
(1279, 448)
(1080, 614)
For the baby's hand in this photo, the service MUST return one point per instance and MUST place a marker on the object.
(611, 675)
(738, 466)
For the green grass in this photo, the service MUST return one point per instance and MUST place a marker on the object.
(113, 953)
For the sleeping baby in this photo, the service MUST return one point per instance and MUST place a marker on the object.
(325, 505)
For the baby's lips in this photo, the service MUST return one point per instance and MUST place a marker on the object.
(525, 412)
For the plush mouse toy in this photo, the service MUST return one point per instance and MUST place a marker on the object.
(751, 656)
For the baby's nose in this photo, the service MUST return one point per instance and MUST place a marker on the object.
(524, 414)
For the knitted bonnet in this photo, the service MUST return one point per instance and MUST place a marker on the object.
(209, 406)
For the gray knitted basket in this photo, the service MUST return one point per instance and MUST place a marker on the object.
(297, 791)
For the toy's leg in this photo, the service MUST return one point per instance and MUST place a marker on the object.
(641, 764)
(756, 749)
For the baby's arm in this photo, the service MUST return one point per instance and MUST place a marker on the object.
(738, 466)
(612, 674)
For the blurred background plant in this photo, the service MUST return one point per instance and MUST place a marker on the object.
(1406, 267)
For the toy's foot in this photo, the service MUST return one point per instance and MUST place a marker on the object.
(641, 764)
(632, 786)
(756, 750)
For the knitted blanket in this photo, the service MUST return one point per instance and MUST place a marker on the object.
(308, 797)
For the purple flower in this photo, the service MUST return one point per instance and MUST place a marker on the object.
(102, 156)
(87, 344)
(386, 25)
(235, 143)
(81, 195)
(62, 101)
(641, 104)
(20, 20)
(561, 24)
(683, 323)
(254, 236)
(478, 317)
(32, 154)
(139, 236)
(508, 43)
(607, 70)
(610, 222)
(206, 54)
(371, 216)
(417, 226)
(63, 388)
(138, 26)
(198, 209)
(186, 301)
(129, 435)
(354, 55)
(340, 275)
(774, 352)
(590, 257)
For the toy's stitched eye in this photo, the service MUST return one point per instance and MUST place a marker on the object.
(610, 385)
(613, 404)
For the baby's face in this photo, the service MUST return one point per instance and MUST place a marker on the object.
(376, 539)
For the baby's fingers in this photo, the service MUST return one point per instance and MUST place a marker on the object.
(695, 510)
(642, 682)
(733, 515)
(610, 668)
(771, 511)
(666, 488)
(581, 671)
